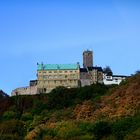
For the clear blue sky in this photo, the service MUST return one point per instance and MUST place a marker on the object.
(57, 31)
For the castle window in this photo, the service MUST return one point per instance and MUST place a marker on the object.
(44, 77)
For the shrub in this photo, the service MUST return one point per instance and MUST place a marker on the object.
(125, 126)
(122, 127)
(102, 129)
(59, 98)
(38, 107)
(9, 115)
(90, 92)
(133, 136)
(12, 127)
(10, 137)
(86, 127)
(67, 130)
(86, 137)
(26, 116)
(62, 115)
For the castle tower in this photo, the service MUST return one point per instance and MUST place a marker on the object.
(87, 58)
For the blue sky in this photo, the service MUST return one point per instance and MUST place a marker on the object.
(58, 31)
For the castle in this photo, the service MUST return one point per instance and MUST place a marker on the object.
(50, 76)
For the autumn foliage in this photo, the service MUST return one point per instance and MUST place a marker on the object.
(87, 113)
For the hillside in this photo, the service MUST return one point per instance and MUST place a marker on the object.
(93, 112)
(123, 101)
(3, 94)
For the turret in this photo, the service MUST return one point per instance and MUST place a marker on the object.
(87, 58)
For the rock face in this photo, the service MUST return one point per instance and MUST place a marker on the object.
(124, 101)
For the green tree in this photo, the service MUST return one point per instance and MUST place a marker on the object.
(102, 129)
(108, 71)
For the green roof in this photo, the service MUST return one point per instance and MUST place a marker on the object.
(57, 66)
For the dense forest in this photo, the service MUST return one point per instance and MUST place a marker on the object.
(95, 112)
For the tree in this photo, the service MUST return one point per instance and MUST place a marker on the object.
(107, 70)
(137, 72)
(102, 129)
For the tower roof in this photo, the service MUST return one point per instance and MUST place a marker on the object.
(87, 51)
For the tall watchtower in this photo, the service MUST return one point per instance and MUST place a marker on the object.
(87, 58)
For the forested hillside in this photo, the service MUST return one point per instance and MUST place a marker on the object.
(94, 112)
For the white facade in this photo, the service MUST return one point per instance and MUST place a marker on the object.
(113, 80)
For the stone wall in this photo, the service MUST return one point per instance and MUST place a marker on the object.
(29, 90)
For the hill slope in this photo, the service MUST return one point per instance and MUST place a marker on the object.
(123, 101)
(3, 94)
(94, 112)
